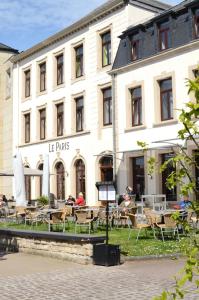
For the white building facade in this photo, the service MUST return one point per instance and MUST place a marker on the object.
(63, 100)
(152, 65)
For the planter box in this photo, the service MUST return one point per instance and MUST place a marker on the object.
(106, 255)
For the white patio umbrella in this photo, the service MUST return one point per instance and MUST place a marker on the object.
(18, 170)
(46, 177)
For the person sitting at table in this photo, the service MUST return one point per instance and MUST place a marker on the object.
(127, 203)
(185, 203)
(70, 200)
(80, 200)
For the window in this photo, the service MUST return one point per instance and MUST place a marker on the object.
(27, 83)
(8, 83)
(27, 127)
(60, 119)
(170, 193)
(42, 113)
(136, 104)
(166, 99)
(106, 168)
(42, 69)
(138, 176)
(164, 36)
(80, 177)
(60, 172)
(196, 23)
(107, 106)
(79, 114)
(79, 61)
(60, 69)
(106, 48)
(135, 49)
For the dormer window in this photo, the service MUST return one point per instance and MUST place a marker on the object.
(135, 45)
(196, 23)
(164, 33)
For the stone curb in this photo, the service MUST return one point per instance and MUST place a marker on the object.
(151, 257)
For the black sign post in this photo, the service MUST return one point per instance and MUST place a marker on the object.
(106, 254)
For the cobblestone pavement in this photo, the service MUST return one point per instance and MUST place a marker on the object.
(26, 277)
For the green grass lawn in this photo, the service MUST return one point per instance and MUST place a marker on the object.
(146, 245)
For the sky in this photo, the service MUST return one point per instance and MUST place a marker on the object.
(24, 23)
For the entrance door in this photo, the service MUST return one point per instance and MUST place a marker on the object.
(28, 186)
(40, 179)
(170, 194)
(80, 177)
(60, 180)
(138, 176)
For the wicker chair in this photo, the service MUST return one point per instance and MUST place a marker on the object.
(136, 225)
(169, 226)
(56, 219)
(82, 220)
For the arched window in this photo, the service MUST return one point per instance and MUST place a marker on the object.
(60, 172)
(28, 186)
(80, 177)
(106, 168)
(40, 179)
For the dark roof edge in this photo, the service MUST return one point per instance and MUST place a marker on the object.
(98, 13)
(5, 48)
(153, 58)
(170, 11)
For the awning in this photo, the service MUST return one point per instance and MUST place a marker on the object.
(27, 171)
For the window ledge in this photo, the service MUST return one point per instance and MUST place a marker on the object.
(165, 123)
(24, 99)
(107, 126)
(74, 80)
(75, 134)
(135, 128)
(104, 69)
(42, 93)
(56, 87)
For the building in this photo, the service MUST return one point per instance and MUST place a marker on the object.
(63, 99)
(149, 74)
(6, 116)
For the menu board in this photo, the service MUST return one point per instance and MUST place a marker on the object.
(106, 193)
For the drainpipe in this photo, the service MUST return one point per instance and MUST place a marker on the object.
(114, 128)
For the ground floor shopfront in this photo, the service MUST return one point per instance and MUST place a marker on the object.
(72, 170)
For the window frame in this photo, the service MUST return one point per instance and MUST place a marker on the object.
(196, 23)
(27, 128)
(138, 101)
(60, 119)
(109, 100)
(106, 45)
(60, 69)
(81, 60)
(27, 83)
(42, 122)
(79, 111)
(42, 74)
(167, 93)
(164, 36)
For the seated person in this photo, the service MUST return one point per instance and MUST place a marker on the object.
(127, 204)
(80, 200)
(185, 203)
(70, 200)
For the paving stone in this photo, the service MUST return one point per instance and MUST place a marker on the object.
(24, 277)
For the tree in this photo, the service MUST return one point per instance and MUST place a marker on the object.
(184, 162)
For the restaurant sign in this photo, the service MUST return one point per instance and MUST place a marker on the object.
(58, 146)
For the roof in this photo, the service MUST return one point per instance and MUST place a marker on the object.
(174, 9)
(6, 48)
(98, 13)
